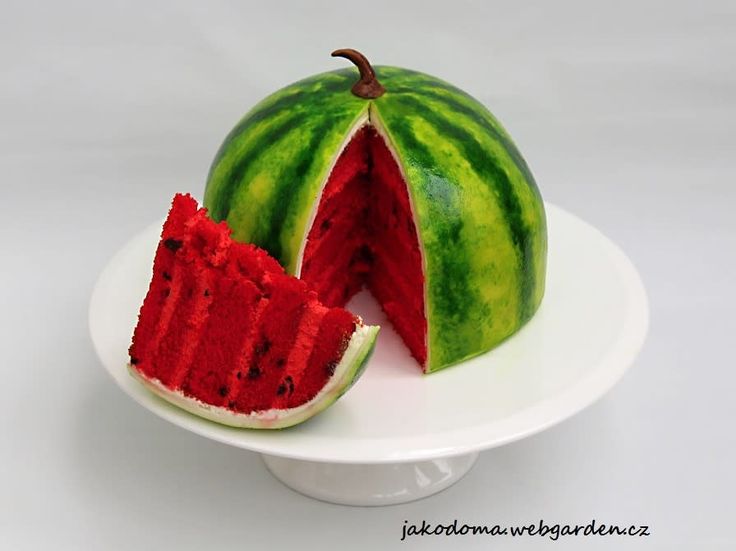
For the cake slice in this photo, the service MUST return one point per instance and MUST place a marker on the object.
(225, 334)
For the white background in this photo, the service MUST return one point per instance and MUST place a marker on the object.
(625, 112)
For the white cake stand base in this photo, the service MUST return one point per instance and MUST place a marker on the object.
(372, 484)
(387, 440)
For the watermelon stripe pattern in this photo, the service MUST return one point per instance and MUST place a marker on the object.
(254, 152)
(478, 211)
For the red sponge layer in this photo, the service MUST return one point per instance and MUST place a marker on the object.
(222, 322)
(364, 235)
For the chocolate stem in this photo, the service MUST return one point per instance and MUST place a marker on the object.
(368, 86)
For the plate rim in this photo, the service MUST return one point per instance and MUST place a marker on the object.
(523, 423)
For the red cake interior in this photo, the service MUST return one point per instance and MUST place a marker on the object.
(364, 235)
(222, 322)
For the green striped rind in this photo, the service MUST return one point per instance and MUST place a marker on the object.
(478, 211)
(267, 173)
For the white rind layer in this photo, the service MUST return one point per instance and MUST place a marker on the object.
(346, 373)
(371, 117)
(380, 128)
(362, 119)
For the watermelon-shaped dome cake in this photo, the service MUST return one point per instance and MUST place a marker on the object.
(398, 182)
(224, 333)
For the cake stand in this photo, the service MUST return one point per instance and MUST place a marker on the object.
(398, 435)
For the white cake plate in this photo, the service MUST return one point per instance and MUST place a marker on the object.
(398, 435)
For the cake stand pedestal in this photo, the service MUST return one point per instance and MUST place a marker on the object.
(369, 484)
(398, 435)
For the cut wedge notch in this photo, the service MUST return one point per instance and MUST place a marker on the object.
(363, 235)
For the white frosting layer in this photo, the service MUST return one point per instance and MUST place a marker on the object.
(359, 347)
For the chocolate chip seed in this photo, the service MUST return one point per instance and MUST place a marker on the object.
(173, 244)
(254, 372)
(330, 367)
(263, 347)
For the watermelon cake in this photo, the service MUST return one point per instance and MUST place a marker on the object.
(397, 181)
(224, 333)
